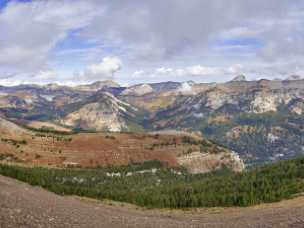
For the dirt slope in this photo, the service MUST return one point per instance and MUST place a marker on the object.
(22, 205)
(24, 146)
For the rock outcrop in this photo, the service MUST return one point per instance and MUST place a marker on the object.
(106, 113)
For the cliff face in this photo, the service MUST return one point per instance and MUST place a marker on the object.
(95, 116)
(105, 113)
(236, 97)
(197, 162)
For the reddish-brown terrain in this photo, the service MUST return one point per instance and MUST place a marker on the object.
(22, 205)
(20, 145)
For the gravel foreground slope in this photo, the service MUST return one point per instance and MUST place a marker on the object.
(22, 205)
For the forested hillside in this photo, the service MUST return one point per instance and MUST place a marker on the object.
(152, 185)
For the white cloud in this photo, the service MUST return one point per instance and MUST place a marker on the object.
(163, 70)
(240, 32)
(165, 28)
(30, 30)
(148, 34)
(147, 51)
(46, 75)
(103, 70)
(196, 71)
(108, 65)
(138, 74)
(10, 82)
(235, 69)
(199, 70)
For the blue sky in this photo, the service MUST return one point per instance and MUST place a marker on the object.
(134, 41)
(3, 3)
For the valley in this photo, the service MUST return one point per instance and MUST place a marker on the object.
(163, 113)
(262, 121)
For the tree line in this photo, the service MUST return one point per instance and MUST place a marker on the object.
(169, 189)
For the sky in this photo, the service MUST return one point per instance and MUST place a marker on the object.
(135, 41)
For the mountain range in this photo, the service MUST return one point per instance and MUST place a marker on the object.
(260, 120)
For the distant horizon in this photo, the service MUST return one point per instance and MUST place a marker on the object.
(140, 83)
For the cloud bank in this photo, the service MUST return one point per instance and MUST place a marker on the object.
(170, 39)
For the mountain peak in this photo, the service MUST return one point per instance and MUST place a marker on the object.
(108, 83)
(294, 77)
(138, 90)
(97, 85)
(239, 78)
(53, 86)
(191, 82)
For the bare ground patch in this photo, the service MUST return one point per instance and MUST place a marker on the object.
(22, 205)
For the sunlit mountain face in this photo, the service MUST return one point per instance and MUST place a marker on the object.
(260, 120)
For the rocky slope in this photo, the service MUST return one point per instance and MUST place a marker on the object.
(196, 162)
(237, 114)
(103, 112)
(235, 98)
(272, 110)
(97, 86)
(137, 90)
